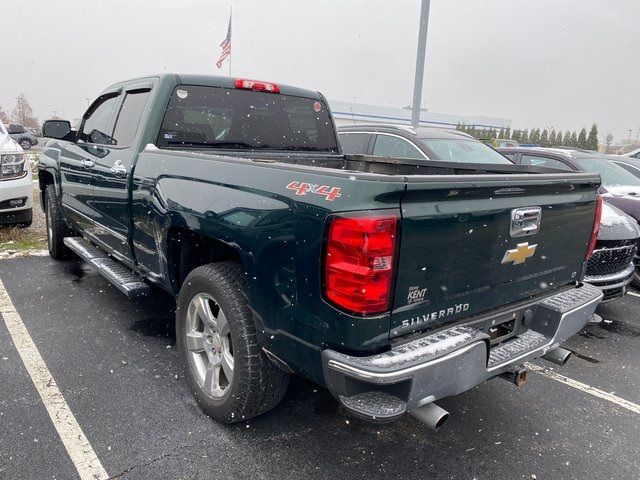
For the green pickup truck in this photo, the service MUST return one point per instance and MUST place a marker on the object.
(393, 283)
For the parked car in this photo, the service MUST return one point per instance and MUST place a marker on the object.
(16, 189)
(499, 142)
(619, 187)
(381, 280)
(611, 267)
(24, 136)
(422, 143)
(630, 164)
(633, 153)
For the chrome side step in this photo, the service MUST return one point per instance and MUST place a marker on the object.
(121, 277)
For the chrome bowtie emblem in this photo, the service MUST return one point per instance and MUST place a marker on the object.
(519, 254)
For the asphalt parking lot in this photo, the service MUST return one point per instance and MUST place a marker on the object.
(115, 362)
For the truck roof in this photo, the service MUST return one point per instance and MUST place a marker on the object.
(561, 151)
(219, 81)
(420, 132)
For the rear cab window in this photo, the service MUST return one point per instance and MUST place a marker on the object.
(226, 118)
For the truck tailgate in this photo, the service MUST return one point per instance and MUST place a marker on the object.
(461, 252)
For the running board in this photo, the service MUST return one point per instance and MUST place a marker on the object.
(121, 277)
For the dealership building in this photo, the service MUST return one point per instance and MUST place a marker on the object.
(346, 113)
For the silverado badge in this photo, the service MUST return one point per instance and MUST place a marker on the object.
(519, 254)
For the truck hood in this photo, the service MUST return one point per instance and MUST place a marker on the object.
(617, 225)
(622, 191)
(629, 204)
(8, 145)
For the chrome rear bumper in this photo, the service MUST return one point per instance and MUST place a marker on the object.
(452, 361)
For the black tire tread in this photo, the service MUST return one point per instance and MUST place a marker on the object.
(57, 248)
(262, 383)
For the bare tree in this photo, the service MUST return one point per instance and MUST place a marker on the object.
(23, 113)
(4, 118)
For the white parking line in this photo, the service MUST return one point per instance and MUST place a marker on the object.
(621, 402)
(633, 294)
(82, 455)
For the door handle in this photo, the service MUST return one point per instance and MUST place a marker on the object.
(118, 169)
(87, 163)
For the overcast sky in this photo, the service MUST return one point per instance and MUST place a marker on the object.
(560, 63)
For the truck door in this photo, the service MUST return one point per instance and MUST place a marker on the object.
(111, 173)
(78, 160)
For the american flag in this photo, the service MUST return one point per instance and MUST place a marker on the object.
(226, 46)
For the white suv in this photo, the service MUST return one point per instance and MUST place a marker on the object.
(16, 189)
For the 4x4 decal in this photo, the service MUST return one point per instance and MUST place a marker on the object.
(302, 188)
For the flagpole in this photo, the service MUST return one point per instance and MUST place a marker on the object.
(230, 26)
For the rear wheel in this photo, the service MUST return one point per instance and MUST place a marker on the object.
(228, 373)
(25, 143)
(57, 229)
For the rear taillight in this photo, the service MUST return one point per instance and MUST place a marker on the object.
(256, 85)
(359, 262)
(596, 228)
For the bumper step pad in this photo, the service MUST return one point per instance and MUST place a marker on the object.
(121, 277)
(378, 407)
(526, 342)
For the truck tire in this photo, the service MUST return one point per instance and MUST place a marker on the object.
(229, 375)
(57, 228)
(635, 281)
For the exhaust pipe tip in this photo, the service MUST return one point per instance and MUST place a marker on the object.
(431, 415)
(558, 355)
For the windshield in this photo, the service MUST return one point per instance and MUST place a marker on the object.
(212, 117)
(462, 151)
(612, 175)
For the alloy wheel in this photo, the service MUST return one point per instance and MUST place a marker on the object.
(208, 341)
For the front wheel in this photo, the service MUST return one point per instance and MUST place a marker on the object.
(228, 373)
(635, 280)
(25, 144)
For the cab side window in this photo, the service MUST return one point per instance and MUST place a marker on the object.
(97, 126)
(539, 161)
(354, 143)
(129, 118)
(396, 147)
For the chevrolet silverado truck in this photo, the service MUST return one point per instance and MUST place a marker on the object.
(391, 282)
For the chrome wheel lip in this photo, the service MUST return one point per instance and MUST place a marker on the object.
(208, 345)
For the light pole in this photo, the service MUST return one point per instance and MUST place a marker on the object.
(422, 50)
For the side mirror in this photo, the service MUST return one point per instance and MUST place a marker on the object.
(58, 129)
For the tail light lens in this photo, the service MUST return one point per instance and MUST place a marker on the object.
(359, 262)
(596, 228)
(256, 85)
